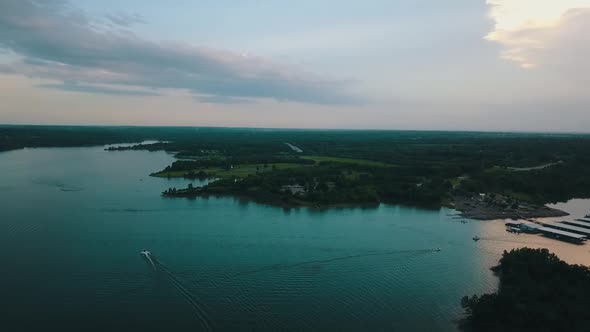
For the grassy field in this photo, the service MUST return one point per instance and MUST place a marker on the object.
(249, 169)
(244, 170)
(455, 182)
(347, 161)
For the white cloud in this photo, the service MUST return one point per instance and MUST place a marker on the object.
(534, 33)
(54, 40)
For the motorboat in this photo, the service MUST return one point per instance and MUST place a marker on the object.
(514, 230)
(148, 257)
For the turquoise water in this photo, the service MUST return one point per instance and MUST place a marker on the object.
(73, 221)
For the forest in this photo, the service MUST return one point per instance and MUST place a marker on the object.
(537, 292)
(332, 167)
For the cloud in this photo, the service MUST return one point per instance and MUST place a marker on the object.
(224, 100)
(86, 88)
(56, 41)
(126, 20)
(536, 33)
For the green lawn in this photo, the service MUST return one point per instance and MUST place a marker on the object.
(455, 182)
(347, 161)
(247, 169)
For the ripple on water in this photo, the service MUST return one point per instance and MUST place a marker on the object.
(252, 267)
(359, 290)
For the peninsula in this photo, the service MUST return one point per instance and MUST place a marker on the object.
(482, 175)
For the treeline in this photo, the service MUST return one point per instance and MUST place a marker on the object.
(537, 292)
(435, 156)
(159, 146)
(334, 183)
(560, 182)
(423, 163)
(227, 163)
(466, 152)
(18, 137)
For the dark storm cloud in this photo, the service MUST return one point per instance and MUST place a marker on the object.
(57, 41)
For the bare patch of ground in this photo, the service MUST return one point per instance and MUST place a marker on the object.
(491, 207)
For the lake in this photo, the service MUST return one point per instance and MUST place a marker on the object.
(73, 220)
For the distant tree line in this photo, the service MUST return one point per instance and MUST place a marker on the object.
(425, 165)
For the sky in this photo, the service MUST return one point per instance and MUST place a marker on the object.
(491, 65)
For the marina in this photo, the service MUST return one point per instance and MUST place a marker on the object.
(567, 228)
(578, 223)
(562, 235)
(570, 231)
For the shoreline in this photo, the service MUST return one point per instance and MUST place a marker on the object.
(277, 203)
(481, 208)
(476, 212)
(486, 216)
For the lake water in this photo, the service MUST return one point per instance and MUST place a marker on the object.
(73, 220)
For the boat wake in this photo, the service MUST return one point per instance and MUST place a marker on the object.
(198, 308)
(200, 313)
(148, 257)
(330, 260)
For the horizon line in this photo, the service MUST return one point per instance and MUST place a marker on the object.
(297, 128)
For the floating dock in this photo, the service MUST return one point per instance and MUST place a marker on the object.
(562, 235)
(578, 223)
(567, 228)
(571, 231)
(524, 227)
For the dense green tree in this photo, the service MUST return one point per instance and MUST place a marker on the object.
(537, 292)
